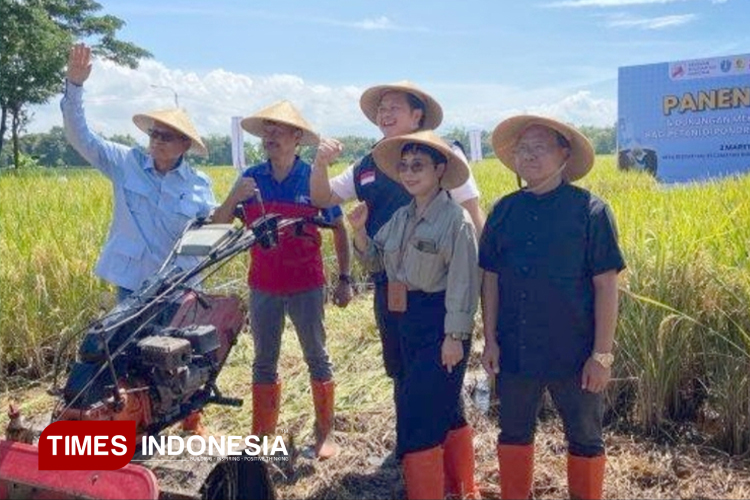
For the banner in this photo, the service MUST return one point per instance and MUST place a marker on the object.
(685, 120)
(475, 145)
(238, 145)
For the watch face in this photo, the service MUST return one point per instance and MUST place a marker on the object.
(605, 359)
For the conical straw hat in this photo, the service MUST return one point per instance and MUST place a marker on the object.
(387, 154)
(370, 100)
(174, 118)
(281, 112)
(508, 131)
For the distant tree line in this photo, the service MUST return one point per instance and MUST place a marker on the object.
(51, 149)
(604, 139)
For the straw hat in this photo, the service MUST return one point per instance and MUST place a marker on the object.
(370, 100)
(285, 113)
(508, 131)
(387, 154)
(174, 118)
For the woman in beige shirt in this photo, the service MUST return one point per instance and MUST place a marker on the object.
(428, 249)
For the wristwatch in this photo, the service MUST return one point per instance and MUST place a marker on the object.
(346, 278)
(604, 358)
(459, 335)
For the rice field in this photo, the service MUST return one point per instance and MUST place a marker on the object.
(683, 340)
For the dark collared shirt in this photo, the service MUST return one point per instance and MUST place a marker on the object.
(546, 250)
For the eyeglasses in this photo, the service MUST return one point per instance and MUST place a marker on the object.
(271, 127)
(164, 136)
(415, 166)
(535, 150)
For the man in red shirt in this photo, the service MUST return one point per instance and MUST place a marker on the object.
(289, 277)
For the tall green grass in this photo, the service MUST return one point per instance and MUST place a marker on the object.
(683, 340)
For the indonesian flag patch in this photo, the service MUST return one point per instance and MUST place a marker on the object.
(366, 177)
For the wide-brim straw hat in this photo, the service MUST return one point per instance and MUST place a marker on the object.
(370, 100)
(507, 132)
(387, 155)
(174, 118)
(285, 113)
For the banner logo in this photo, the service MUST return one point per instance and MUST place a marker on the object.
(87, 445)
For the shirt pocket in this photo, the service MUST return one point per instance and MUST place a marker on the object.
(425, 265)
(138, 196)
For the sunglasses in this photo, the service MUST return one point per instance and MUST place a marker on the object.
(415, 166)
(165, 136)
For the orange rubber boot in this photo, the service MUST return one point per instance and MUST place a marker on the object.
(423, 474)
(516, 470)
(193, 423)
(458, 461)
(266, 401)
(325, 446)
(586, 477)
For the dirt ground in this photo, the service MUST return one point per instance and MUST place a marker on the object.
(636, 467)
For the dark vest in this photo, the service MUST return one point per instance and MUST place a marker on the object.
(382, 194)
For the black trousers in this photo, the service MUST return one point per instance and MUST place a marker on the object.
(581, 411)
(389, 333)
(428, 398)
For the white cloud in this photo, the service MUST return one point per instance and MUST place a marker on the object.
(649, 23)
(484, 106)
(580, 108)
(113, 94)
(380, 23)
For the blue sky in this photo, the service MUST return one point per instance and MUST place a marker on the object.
(483, 60)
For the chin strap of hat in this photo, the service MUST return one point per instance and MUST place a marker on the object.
(542, 186)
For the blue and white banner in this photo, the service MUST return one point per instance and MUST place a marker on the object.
(685, 120)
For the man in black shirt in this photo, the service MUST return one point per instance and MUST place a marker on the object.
(549, 294)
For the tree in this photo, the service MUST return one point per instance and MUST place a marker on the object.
(355, 147)
(126, 139)
(219, 151)
(602, 138)
(35, 36)
(47, 149)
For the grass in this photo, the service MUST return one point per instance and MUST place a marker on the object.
(683, 347)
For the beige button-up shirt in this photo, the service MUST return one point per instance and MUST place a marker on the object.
(432, 253)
